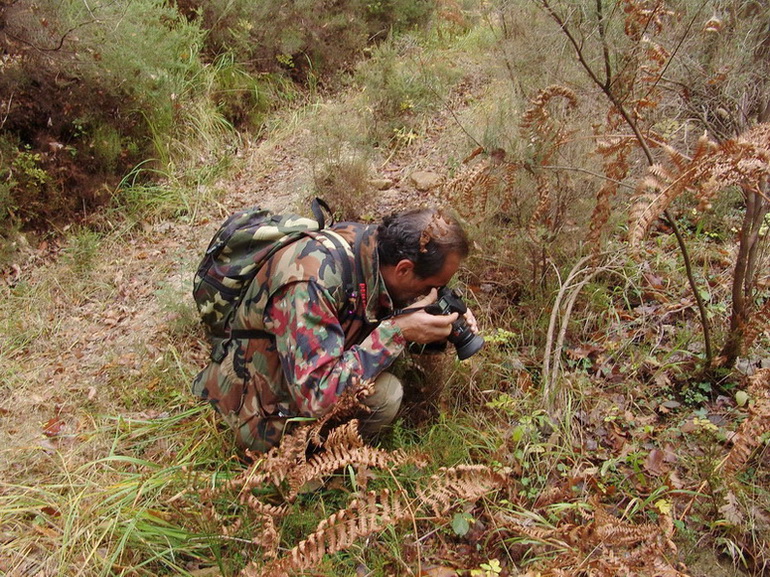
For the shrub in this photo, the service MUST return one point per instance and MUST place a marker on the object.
(340, 161)
(307, 40)
(401, 84)
(94, 90)
(243, 98)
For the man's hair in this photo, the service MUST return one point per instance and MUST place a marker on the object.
(424, 236)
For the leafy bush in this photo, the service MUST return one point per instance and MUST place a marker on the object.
(243, 98)
(401, 84)
(93, 90)
(305, 39)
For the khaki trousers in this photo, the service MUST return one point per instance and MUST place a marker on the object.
(384, 402)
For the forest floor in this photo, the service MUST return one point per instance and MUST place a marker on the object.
(94, 340)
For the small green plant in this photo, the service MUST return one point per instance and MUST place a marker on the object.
(698, 393)
(491, 568)
(82, 250)
(461, 523)
(27, 171)
(399, 92)
(107, 147)
(242, 98)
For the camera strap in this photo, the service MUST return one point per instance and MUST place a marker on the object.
(399, 312)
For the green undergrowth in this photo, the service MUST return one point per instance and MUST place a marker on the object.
(127, 492)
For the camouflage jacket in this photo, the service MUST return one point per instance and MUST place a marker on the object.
(312, 342)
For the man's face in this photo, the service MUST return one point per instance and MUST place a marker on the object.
(404, 286)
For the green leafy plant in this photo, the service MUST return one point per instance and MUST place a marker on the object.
(490, 569)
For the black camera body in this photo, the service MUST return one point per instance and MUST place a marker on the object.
(462, 337)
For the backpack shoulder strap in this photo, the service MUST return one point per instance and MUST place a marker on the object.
(317, 207)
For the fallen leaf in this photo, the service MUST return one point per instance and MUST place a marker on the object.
(674, 481)
(664, 506)
(731, 510)
(54, 427)
(51, 511)
(655, 462)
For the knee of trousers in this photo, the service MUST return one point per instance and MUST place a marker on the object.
(385, 401)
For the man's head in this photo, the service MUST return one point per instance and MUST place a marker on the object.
(419, 250)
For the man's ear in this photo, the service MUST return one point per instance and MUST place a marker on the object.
(404, 267)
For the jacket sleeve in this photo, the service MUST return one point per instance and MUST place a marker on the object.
(311, 346)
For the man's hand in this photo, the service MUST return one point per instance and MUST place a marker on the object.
(471, 320)
(422, 327)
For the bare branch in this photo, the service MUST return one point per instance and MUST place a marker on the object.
(605, 47)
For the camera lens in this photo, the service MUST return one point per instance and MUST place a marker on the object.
(465, 341)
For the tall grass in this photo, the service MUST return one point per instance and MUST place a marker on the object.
(135, 508)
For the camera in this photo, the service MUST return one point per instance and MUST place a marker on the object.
(462, 337)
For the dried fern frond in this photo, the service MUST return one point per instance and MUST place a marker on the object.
(347, 407)
(603, 546)
(540, 128)
(679, 161)
(644, 18)
(338, 458)
(268, 538)
(704, 147)
(656, 54)
(472, 188)
(742, 162)
(277, 463)
(378, 510)
(467, 482)
(615, 169)
(467, 186)
(344, 446)
(610, 529)
(758, 322)
(360, 518)
(660, 173)
(340, 446)
(608, 146)
(346, 436)
(283, 462)
(543, 186)
(757, 424)
(646, 205)
(537, 118)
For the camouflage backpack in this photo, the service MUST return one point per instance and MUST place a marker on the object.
(245, 241)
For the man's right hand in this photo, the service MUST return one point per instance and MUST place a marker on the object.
(422, 327)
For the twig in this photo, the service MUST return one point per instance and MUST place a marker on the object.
(7, 111)
(590, 172)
